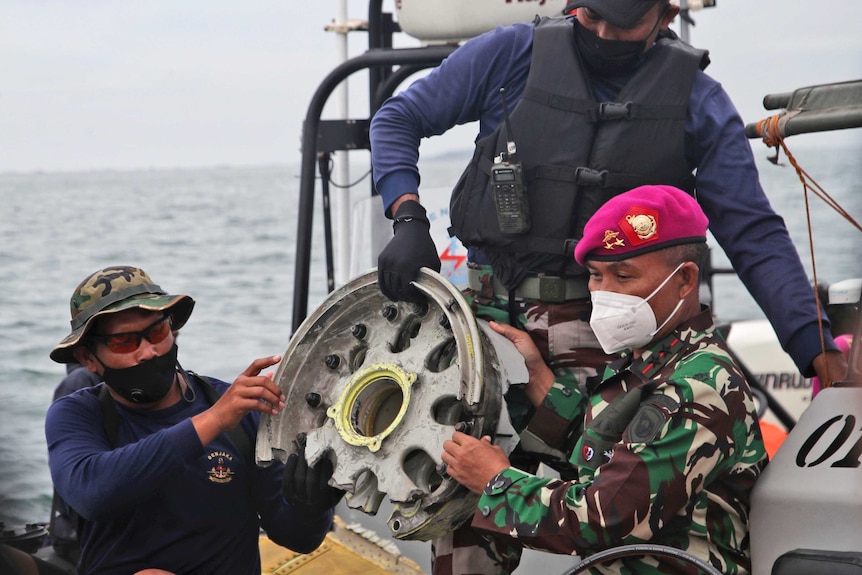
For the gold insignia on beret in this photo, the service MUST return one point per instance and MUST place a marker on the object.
(612, 239)
(643, 225)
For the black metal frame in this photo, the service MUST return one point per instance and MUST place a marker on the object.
(320, 138)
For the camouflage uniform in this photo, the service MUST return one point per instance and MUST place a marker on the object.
(675, 466)
(563, 335)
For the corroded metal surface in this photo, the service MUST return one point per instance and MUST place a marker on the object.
(377, 386)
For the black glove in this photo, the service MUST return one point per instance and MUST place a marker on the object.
(307, 489)
(410, 249)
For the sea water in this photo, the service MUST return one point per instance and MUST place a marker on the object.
(226, 236)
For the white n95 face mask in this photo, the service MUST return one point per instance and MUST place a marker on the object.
(623, 321)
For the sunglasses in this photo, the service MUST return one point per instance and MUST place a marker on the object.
(129, 341)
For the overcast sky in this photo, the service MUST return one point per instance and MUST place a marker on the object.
(96, 84)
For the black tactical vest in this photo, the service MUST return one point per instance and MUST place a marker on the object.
(576, 152)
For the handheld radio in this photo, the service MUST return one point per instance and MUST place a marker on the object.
(510, 200)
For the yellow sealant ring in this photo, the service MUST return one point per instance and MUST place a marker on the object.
(360, 381)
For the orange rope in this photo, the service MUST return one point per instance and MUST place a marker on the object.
(768, 129)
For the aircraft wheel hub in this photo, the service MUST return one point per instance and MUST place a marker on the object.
(377, 387)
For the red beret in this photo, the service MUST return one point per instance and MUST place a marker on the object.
(641, 220)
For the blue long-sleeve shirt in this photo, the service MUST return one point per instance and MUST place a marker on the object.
(465, 88)
(160, 499)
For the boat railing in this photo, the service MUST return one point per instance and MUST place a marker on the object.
(320, 138)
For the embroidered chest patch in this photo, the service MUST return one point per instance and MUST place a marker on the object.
(222, 467)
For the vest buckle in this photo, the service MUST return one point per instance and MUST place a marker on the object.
(552, 289)
(615, 110)
(590, 177)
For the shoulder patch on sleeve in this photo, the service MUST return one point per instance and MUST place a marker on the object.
(650, 417)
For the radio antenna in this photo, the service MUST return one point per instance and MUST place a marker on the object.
(511, 149)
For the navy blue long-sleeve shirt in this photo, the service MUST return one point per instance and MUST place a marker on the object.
(465, 88)
(160, 499)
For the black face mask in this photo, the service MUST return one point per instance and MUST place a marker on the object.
(608, 57)
(147, 382)
(611, 57)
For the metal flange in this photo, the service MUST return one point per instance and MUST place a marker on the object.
(377, 386)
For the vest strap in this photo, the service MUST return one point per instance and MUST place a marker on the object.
(586, 177)
(603, 111)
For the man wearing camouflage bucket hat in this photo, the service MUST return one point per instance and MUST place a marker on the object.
(158, 461)
(671, 446)
(114, 289)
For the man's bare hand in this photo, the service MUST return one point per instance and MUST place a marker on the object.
(830, 367)
(473, 462)
(250, 391)
(541, 376)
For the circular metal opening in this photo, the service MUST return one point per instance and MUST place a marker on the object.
(372, 405)
(422, 470)
(376, 407)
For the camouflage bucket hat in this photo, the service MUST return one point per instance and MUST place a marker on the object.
(114, 289)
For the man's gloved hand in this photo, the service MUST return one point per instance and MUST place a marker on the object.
(307, 488)
(410, 249)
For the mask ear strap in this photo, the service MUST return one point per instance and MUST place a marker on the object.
(661, 14)
(664, 323)
(678, 305)
(88, 344)
(662, 284)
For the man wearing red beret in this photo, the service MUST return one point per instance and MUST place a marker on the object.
(592, 105)
(671, 445)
